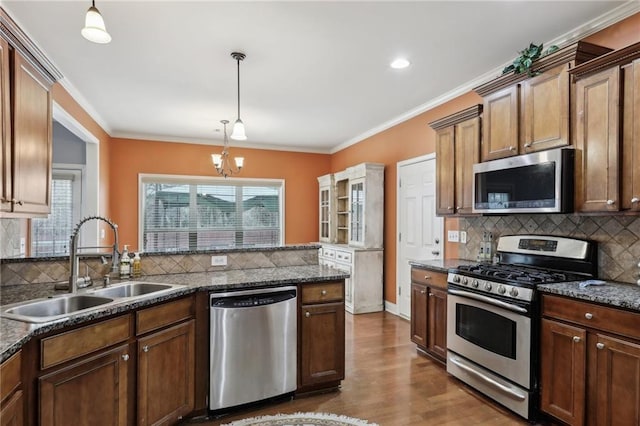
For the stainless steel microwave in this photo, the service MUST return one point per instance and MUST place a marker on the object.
(541, 182)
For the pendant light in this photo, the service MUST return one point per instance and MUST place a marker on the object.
(221, 161)
(238, 127)
(94, 29)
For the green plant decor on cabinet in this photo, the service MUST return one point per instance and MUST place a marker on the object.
(524, 62)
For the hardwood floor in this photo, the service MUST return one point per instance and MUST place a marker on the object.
(389, 384)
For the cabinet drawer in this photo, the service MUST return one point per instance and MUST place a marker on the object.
(10, 375)
(163, 315)
(82, 341)
(321, 293)
(430, 278)
(328, 253)
(591, 315)
(343, 256)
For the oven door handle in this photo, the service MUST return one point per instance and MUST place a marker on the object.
(502, 388)
(489, 300)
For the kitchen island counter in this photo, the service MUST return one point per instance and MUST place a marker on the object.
(14, 334)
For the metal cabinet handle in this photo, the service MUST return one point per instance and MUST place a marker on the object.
(512, 148)
(435, 252)
(588, 315)
(576, 339)
(125, 357)
(423, 291)
(458, 207)
(430, 294)
(610, 202)
(437, 240)
(600, 345)
(449, 208)
(635, 200)
(4, 200)
(18, 202)
(527, 145)
(427, 277)
(307, 314)
(323, 292)
(145, 348)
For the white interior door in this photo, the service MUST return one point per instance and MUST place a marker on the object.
(420, 231)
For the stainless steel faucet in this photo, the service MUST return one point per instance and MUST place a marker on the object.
(74, 283)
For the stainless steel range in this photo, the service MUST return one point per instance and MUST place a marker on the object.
(493, 314)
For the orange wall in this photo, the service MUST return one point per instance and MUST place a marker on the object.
(299, 170)
(410, 139)
(414, 138)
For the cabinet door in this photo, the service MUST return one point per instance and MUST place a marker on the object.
(437, 322)
(356, 211)
(166, 374)
(32, 147)
(500, 130)
(5, 128)
(322, 344)
(563, 371)
(12, 413)
(325, 223)
(445, 165)
(89, 392)
(419, 315)
(631, 138)
(467, 153)
(597, 141)
(617, 381)
(545, 110)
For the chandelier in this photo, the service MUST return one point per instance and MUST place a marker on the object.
(222, 162)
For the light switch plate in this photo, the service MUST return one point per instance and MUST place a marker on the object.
(463, 237)
(453, 236)
(218, 260)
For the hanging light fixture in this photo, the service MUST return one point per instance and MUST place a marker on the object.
(94, 29)
(221, 161)
(238, 127)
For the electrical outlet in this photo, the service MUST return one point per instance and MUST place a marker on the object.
(218, 260)
(463, 237)
(453, 236)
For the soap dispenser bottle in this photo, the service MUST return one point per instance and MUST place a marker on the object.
(125, 263)
(136, 268)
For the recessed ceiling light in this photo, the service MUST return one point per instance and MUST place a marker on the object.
(400, 63)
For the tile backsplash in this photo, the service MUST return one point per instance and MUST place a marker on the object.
(11, 230)
(618, 237)
(44, 271)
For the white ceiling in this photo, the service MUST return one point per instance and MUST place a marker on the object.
(316, 76)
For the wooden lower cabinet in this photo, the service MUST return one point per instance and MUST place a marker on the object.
(321, 336)
(429, 312)
(166, 374)
(11, 395)
(12, 412)
(589, 375)
(92, 391)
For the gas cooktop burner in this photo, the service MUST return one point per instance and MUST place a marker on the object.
(516, 273)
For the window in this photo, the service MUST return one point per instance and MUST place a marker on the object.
(194, 213)
(50, 235)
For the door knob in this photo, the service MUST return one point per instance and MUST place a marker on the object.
(323, 292)
(588, 315)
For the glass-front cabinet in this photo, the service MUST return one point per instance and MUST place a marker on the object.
(326, 224)
(356, 196)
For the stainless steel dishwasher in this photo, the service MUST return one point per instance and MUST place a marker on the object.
(253, 341)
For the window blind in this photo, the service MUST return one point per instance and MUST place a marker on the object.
(193, 214)
(50, 235)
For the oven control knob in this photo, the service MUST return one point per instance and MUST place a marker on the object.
(487, 286)
(475, 283)
(465, 281)
(456, 279)
(513, 292)
(502, 289)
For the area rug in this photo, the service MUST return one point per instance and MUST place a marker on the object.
(301, 419)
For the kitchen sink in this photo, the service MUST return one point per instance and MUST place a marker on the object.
(132, 289)
(44, 310)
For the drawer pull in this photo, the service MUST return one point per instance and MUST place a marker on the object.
(323, 292)
(600, 345)
(145, 348)
(427, 277)
(588, 315)
(576, 339)
(307, 314)
(125, 357)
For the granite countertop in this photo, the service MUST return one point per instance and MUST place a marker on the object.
(612, 293)
(440, 265)
(14, 334)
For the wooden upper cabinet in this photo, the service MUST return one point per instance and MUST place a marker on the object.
(525, 114)
(607, 132)
(445, 176)
(631, 138)
(501, 116)
(457, 150)
(5, 128)
(545, 111)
